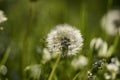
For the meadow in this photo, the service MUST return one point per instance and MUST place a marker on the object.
(59, 40)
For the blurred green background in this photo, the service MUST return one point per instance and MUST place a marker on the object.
(29, 22)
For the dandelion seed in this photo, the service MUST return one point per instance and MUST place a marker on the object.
(2, 16)
(65, 40)
(111, 22)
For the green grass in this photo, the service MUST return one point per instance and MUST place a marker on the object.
(23, 39)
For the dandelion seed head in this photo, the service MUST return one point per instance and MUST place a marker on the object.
(96, 43)
(3, 70)
(46, 56)
(1, 28)
(100, 46)
(107, 76)
(111, 22)
(115, 61)
(2, 17)
(114, 65)
(65, 38)
(33, 71)
(81, 62)
(103, 50)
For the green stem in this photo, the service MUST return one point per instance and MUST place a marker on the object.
(27, 43)
(83, 17)
(77, 75)
(54, 67)
(4, 60)
(113, 47)
(81, 76)
(109, 5)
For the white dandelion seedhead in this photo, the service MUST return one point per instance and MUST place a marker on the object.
(114, 65)
(65, 40)
(46, 56)
(100, 46)
(111, 22)
(107, 76)
(1, 28)
(3, 70)
(81, 62)
(2, 17)
(103, 52)
(96, 43)
(33, 71)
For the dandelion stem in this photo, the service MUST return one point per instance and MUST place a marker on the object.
(109, 5)
(54, 67)
(114, 46)
(26, 51)
(75, 77)
(4, 60)
(81, 76)
(83, 17)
